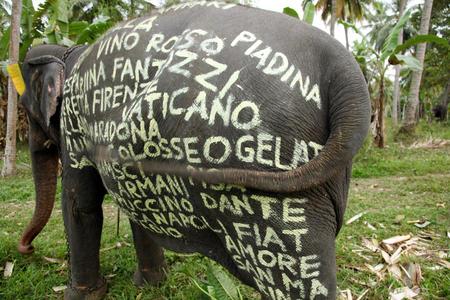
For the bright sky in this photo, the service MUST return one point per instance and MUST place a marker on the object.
(278, 5)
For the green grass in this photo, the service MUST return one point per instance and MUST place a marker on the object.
(387, 183)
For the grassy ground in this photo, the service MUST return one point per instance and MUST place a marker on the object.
(392, 187)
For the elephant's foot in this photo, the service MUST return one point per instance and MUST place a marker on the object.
(151, 277)
(25, 249)
(84, 293)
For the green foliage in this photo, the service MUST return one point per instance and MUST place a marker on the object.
(386, 183)
(410, 61)
(91, 32)
(346, 10)
(68, 22)
(437, 58)
(392, 40)
(308, 15)
(4, 43)
(414, 197)
(219, 285)
(407, 60)
(348, 25)
(421, 38)
(398, 159)
(290, 12)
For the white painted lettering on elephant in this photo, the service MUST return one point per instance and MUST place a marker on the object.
(207, 43)
(146, 24)
(277, 64)
(182, 101)
(117, 41)
(161, 204)
(85, 82)
(191, 4)
(260, 252)
(194, 150)
(135, 69)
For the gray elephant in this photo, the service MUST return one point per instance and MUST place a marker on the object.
(217, 128)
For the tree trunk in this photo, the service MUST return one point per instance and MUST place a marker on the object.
(444, 100)
(379, 115)
(440, 110)
(346, 38)
(409, 123)
(9, 167)
(396, 95)
(132, 9)
(333, 17)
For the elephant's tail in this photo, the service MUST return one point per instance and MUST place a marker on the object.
(349, 113)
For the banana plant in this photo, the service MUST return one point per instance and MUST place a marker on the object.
(308, 13)
(391, 54)
(219, 285)
(51, 23)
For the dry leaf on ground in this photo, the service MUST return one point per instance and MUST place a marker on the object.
(9, 266)
(430, 143)
(397, 239)
(395, 257)
(363, 294)
(58, 289)
(404, 293)
(53, 260)
(414, 273)
(370, 226)
(413, 221)
(398, 219)
(422, 224)
(395, 271)
(354, 218)
(370, 244)
(345, 295)
(444, 263)
(116, 246)
(390, 251)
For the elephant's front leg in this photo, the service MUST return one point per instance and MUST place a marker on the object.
(151, 263)
(82, 198)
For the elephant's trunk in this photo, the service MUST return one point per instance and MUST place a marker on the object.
(45, 167)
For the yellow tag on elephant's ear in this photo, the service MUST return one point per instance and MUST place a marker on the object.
(16, 77)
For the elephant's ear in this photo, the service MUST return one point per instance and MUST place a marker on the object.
(47, 83)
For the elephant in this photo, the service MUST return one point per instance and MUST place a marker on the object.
(215, 131)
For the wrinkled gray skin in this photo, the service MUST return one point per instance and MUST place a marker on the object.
(251, 188)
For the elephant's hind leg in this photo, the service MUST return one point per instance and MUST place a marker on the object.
(82, 199)
(151, 263)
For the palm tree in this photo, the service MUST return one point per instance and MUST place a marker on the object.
(115, 10)
(333, 12)
(345, 10)
(396, 94)
(409, 122)
(9, 167)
